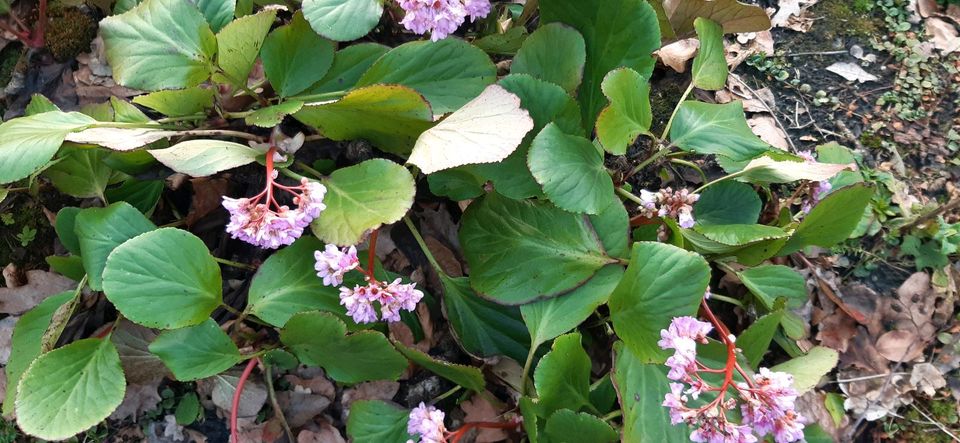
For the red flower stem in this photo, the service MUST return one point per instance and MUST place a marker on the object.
(269, 160)
(731, 352)
(235, 406)
(372, 253)
(37, 40)
(459, 433)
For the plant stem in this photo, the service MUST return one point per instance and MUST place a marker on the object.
(656, 155)
(683, 98)
(690, 164)
(423, 247)
(243, 86)
(526, 368)
(235, 405)
(629, 196)
(220, 133)
(724, 298)
(318, 97)
(372, 253)
(234, 264)
(268, 378)
(291, 174)
(613, 415)
(182, 119)
(441, 397)
(308, 169)
(725, 177)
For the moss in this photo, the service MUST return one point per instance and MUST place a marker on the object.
(663, 98)
(846, 19)
(69, 33)
(9, 59)
(871, 140)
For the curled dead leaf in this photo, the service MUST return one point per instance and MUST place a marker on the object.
(677, 54)
(900, 346)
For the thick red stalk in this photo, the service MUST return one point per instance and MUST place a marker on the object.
(455, 436)
(372, 254)
(235, 406)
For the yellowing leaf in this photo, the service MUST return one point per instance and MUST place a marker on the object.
(767, 170)
(119, 139)
(485, 130)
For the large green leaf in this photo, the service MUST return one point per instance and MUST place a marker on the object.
(238, 45)
(617, 33)
(734, 16)
(467, 376)
(571, 171)
(28, 143)
(566, 426)
(710, 65)
(25, 343)
(202, 157)
(555, 53)
(807, 370)
(141, 194)
(70, 389)
(769, 282)
(348, 65)
(287, 284)
(178, 102)
(163, 279)
(196, 352)
(160, 44)
(628, 115)
(294, 57)
(755, 340)
(320, 339)
(520, 251)
(376, 421)
(707, 128)
(81, 173)
(641, 387)
(832, 220)
(343, 20)
(448, 73)
(389, 116)
(65, 225)
(662, 282)
(740, 235)
(483, 328)
(562, 377)
(217, 12)
(354, 207)
(546, 319)
(728, 203)
(100, 230)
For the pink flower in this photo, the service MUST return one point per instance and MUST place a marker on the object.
(359, 304)
(818, 190)
(392, 298)
(440, 17)
(333, 263)
(269, 225)
(427, 422)
(669, 203)
(477, 9)
(769, 405)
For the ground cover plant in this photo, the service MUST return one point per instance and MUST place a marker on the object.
(278, 210)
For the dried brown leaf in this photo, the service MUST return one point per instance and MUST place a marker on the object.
(677, 54)
(40, 285)
(207, 196)
(478, 409)
(900, 346)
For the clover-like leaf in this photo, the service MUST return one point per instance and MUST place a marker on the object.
(376, 421)
(321, 339)
(483, 328)
(769, 282)
(562, 377)
(467, 376)
(28, 143)
(349, 64)
(81, 173)
(807, 370)
(196, 352)
(832, 220)
(163, 279)
(728, 203)
(178, 102)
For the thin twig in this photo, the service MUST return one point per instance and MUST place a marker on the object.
(951, 205)
(935, 423)
(268, 378)
(799, 54)
(769, 109)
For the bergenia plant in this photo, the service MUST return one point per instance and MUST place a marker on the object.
(322, 133)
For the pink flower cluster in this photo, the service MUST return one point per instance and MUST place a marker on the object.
(441, 17)
(818, 190)
(331, 265)
(427, 422)
(669, 203)
(767, 401)
(263, 222)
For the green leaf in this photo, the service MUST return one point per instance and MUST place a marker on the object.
(735, 17)
(39, 104)
(160, 44)
(566, 426)
(65, 224)
(832, 220)
(287, 284)
(448, 73)
(710, 65)
(728, 203)
(28, 143)
(141, 194)
(520, 251)
(389, 116)
(813, 433)
(163, 279)
(807, 370)
(483, 328)
(769, 282)
(507, 43)
(69, 390)
(571, 171)
(662, 282)
(740, 235)
(707, 128)
(354, 207)
(319, 339)
(618, 33)
(70, 266)
(196, 352)
(25, 343)
(376, 421)
(100, 230)
(628, 115)
(217, 12)
(641, 387)
(204, 157)
(178, 102)
(546, 319)
(188, 409)
(467, 376)
(124, 111)
(612, 225)
(272, 115)
(562, 377)
(294, 57)
(238, 45)
(348, 65)
(80, 173)
(540, 56)
(343, 20)
(756, 339)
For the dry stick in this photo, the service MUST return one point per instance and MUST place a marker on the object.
(268, 378)
(825, 288)
(935, 423)
(951, 205)
(770, 110)
(235, 405)
(798, 54)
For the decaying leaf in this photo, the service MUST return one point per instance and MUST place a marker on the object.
(945, 36)
(765, 127)
(677, 54)
(478, 409)
(851, 72)
(927, 379)
(900, 346)
(40, 285)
